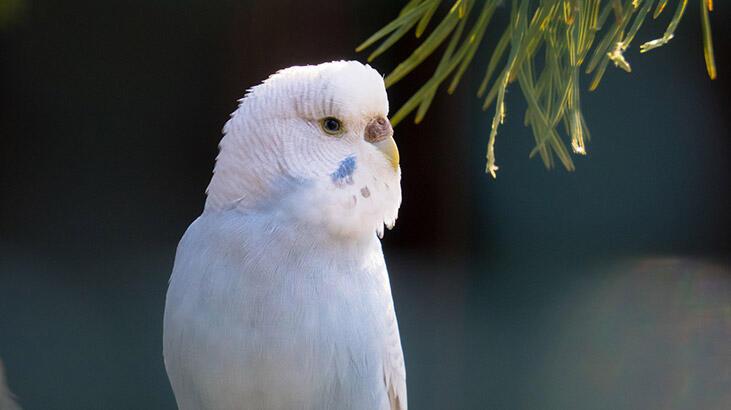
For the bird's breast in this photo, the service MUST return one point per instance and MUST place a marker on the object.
(274, 312)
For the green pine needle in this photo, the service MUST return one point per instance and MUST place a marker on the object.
(543, 47)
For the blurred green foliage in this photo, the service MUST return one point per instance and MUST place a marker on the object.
(10, 12)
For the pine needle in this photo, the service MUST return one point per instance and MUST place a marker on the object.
(543, 47)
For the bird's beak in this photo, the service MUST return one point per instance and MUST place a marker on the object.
(380, 133)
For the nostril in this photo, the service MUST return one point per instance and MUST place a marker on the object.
(378, 130)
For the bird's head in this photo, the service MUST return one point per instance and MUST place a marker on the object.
(314, 143)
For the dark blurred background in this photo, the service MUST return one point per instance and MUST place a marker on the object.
(605, 288)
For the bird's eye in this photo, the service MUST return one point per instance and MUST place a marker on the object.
(331, 125)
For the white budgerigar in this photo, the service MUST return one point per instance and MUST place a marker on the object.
(279, 297)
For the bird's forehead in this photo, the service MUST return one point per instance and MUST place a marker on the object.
(355, 89)
(346, 89)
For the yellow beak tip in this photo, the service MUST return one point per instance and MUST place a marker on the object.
(390, 150)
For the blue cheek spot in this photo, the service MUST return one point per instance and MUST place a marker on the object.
(344, 173)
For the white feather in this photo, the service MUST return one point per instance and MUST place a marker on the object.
(279, 297)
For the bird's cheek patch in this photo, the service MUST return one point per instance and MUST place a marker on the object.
(344, 173)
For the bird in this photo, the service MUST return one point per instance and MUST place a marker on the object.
(279, 297)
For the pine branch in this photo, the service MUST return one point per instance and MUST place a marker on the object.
(543, 47)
